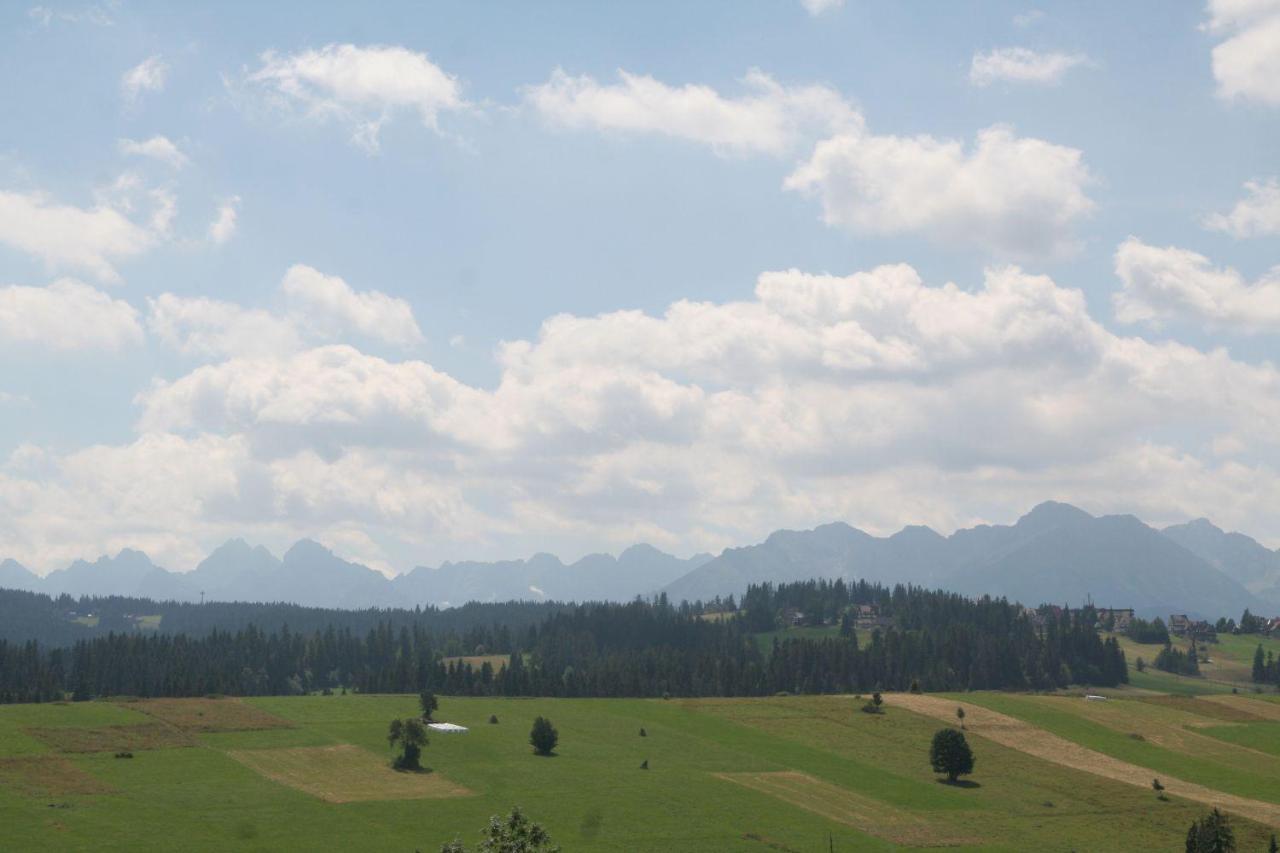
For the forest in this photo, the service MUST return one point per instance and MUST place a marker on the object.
(933, 641)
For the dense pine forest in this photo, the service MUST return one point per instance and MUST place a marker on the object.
(926, 639)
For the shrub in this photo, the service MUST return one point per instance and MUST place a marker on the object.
(124, 755)
(512, 834)
(543, 736)
(1211, 834)
(643, 733)
(644, 765)
(871, 708)
(493, 719)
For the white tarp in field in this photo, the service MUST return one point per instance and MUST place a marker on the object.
(446, 727)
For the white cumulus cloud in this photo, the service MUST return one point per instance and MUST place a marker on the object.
(157, 148)
(1255, 215)
(816, 397)
(1246, 64)
(769, 119)
(316, 308)
(149, 75)
(65, 316)
(362, 87)
(69, 237)
(223, 227)
(330, 305)
(1171, 283)
(1018, 196)
(1022, 65)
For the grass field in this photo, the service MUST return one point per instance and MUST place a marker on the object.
(776, 774)
(1230, 665)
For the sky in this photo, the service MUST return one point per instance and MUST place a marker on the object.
(464, 280)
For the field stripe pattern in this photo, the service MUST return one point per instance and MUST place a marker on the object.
(844, 806)
(1017, 734)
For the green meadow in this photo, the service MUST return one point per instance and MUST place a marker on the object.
(778, 774)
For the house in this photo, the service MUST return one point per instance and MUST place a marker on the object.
(792, 616)
(1120, 618)
(1182, 625)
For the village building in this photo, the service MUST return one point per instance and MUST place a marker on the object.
(1119, 618)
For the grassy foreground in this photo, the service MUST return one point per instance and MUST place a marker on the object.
(781, 774)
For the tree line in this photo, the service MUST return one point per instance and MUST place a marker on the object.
(937, 641)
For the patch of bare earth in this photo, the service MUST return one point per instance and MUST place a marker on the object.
(1024, 737)
(844, 806)
(112, 738)
(210, 715)
(344, 774)
(47, 776)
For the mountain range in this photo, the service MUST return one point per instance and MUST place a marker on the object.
(311, 575)
(1056, 553)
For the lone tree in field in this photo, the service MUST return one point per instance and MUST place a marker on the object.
(410, 737)
(543, 736)
(1159, 789)
(949, 753)
(960, 715)
(514, 833)
(1211, 834)
(429, 703)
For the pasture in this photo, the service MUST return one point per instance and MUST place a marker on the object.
(777, 774)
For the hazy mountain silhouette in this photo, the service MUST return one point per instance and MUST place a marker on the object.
(1055, 553)
(14, 575)
(1241, 557)
(312, 575)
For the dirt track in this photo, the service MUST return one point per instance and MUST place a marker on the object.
(1024, 737)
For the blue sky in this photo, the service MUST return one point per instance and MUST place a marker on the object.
(362, 275)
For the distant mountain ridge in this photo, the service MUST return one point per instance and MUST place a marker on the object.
(311, 575)
(1055, 553)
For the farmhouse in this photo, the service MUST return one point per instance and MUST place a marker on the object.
(1182, 625)
(1119, 618)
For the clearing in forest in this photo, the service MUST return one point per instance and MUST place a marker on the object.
(112, 738)
(844, 806)
(344, 774)
(47, 776)
(1024, 737)
(210, 715)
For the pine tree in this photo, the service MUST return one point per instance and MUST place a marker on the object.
(543, 736)
(1259, 666)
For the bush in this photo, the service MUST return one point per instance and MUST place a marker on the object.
(512, 834)
(124, 755)
(872, 708)
(493, 719)
(543, 736)
(1211, 834)
(644, 765)
(950, 754)
(643, 733)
